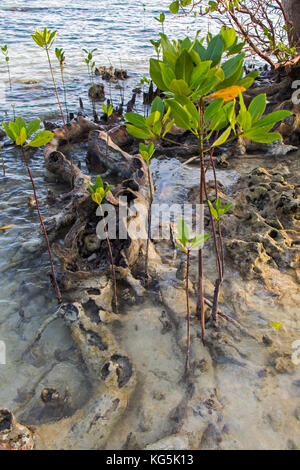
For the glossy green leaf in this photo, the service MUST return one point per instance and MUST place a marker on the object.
(179, 115)
(257, 107)
(42, 138)
(199, 73)
(261, 136)
(223, 138)
(137, 120)
(21, 139)
(33, 127)
(156, 74)
(213, 108)
(184, 67)
(138, 133)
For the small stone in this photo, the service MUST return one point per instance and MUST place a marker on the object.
(267, 340)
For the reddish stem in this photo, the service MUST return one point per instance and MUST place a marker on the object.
(188, 344)
(58, 293)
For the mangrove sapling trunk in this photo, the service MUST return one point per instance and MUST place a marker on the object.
(200, 288)
(58, 293)
(59, 104)
(45, 39)
(112, 265)
(188, 323)
(149, 222)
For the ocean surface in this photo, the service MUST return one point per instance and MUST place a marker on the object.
(121, 31)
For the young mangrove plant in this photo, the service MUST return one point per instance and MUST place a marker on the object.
(60, 55)
(202, 87)
(20, 133)
(4, 50)
(184, 242)
(45, 39)
(98, 193)
(90, 63)
(108, 110)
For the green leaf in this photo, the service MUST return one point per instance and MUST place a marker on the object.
(137, 120)
(213, 109)
(231, 65)
(21, 139)
(213, 211)
(167, 74)
(153, 118)
(168, 127)
(215, 49)
(138, 133)
(179, 115)
(158, 105)
(169, 52)
(156, 74)
(206, 87)
(184, 67)
(199, 73)
(174, 7)
(247, 81)
(199, 240)
(229, 37)
(33, 127)
(257, 107)
(180, 87)
(183, 233)
(223, 138)
(9, 132)
(261, 136)
(269, 121)
(227, 207)
(190, 108)
(42, 138)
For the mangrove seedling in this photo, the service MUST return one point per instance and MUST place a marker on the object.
(147, 152)
(201, 87)
(4, 50)
(98, 193)
(184, 242)
(108, 110)
(60, 55)
(161, 20)
(90, 63)
(45, 39)
(20, 134)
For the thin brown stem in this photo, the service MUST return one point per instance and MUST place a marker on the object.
(112, 264)
(60, 106)
(149, 222)
(188, 341)
(58, 293)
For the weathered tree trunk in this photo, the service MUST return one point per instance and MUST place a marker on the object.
(292, 11)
